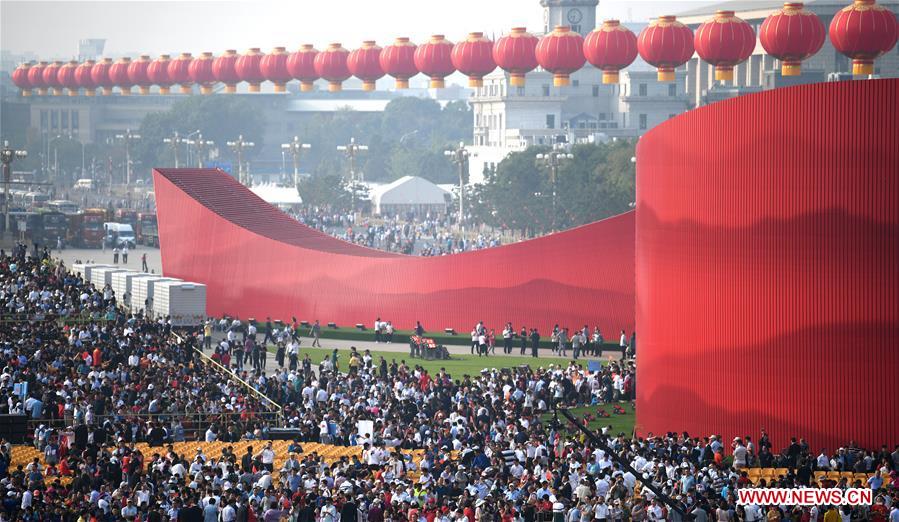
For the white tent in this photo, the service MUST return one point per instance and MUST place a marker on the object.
(409, 193)
(278, 196)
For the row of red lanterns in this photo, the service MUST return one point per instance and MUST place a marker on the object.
(862, 31)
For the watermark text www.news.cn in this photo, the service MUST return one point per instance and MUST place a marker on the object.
(805, 496)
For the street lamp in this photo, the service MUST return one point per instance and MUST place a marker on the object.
(174, 141)
(239, 147)
(7, 156)
(295, 148)
(351, 149)
(460, 156)
(553, 160)
(127, 138)
(202, 147)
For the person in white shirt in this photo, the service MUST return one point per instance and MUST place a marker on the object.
(267, 455)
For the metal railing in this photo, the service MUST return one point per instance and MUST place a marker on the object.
(274, 406)
(194, 424)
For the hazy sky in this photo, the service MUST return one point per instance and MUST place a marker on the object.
(53, 28)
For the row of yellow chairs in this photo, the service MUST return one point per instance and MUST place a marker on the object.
(756, 474)
(23, 455)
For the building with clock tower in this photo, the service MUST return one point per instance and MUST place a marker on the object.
(580, 15)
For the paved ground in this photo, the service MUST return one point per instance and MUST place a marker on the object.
(71, 255)
(154, 262)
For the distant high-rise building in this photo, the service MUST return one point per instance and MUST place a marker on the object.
(90, 48)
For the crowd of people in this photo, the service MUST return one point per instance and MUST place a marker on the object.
(410, 234)
(491, 449)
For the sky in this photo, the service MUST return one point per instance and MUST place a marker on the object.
(51, 29)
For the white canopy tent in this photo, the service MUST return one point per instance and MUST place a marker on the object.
(409, 193)
(283, 197)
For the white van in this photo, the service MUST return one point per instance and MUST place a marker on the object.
(86, 184)
(119, 235)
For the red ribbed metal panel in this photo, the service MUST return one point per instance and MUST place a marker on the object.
(768, 267)
(256, 261)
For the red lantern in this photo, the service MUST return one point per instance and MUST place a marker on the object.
(36, 78)
(561, 52)
(247, 67)
(515, 53)
(724, 41)
(434, 59)
(274, 68)
(84, 78)
(179, 72)
(100, 76)
(474, 58)
(201, 72)
(330, 64)
(398, 60)
(301, 65)
(20, 78)
(66, 77)
(137, 72)
(864, 31)
(365, 63)
(610, 48)
(665, 44)
(158, 73)
(224, 71)
(51, 78)
(791, 35)
(118, 75)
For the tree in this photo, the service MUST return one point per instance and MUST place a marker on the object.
(597, 183)
(218, 118)
(325, 190)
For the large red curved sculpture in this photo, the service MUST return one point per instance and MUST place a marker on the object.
(767, 253)
(256, 261)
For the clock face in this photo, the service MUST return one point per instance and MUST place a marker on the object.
(575, 16)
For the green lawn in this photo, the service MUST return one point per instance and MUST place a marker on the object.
(457, 367)
(350, 333)
(620, 423)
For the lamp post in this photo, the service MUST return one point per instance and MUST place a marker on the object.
(202, 147)
(295, 148)
(460, 156)
(351, 149)
(127, 138)
(7, 156)
(174, 141)
(239, 147)
(553, 160)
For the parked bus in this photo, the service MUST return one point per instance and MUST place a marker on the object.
(54, 226)
(31, 221)
(28, 199)
(126, 215)
(92, 233)
(147, 230)
(65, 206)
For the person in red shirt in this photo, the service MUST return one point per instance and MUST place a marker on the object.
(98, 355)
(879, 512)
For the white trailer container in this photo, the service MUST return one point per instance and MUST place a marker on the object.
(184, 302)
(121, 284)
(84, 269)
(102, 276)
(142, 290)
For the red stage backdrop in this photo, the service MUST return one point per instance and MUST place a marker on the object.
(768, 267)
(259, 262)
